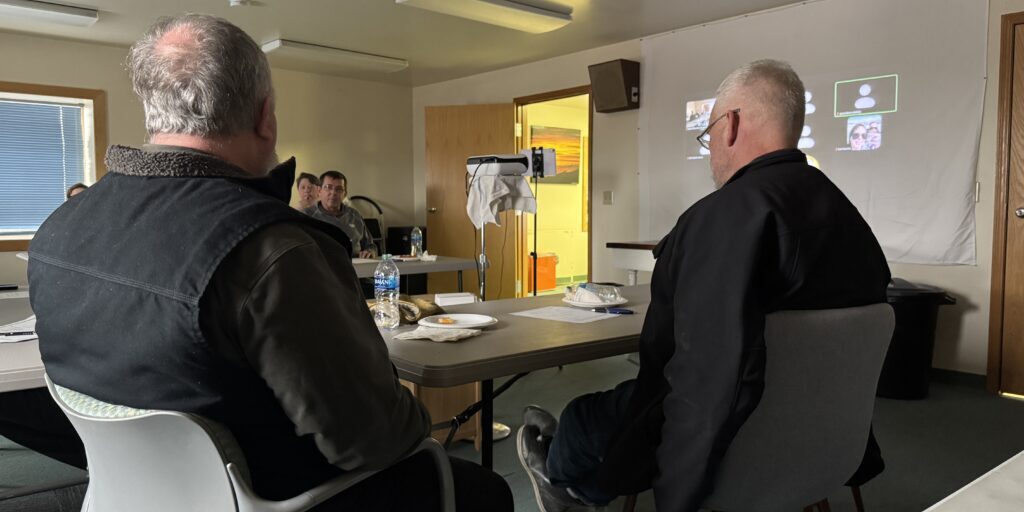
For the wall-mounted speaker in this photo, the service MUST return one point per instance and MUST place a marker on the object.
(615, 85)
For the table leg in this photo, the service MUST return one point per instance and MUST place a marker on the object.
(486, 419)
(460, 280)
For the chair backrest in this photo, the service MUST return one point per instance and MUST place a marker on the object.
(809, 432)
(150, 460)
(373, 217)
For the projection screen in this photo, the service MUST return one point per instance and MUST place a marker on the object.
(895, 94)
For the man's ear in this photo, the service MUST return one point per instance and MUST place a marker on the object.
(732, 128)
(266, 125)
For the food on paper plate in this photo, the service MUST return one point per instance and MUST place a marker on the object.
(446, 320)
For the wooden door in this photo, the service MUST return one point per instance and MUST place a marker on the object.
(454, 133)
(1006, 327)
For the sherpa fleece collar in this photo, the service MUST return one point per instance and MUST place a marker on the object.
(191, 164)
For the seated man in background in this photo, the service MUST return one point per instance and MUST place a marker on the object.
(193, 282)
(76, 189)
(332, 209)
(775, 235)
(308, 187)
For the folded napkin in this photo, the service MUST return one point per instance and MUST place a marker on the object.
(434, 334)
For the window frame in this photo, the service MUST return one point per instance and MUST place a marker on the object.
(99, 132)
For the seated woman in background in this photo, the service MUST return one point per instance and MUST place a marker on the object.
(309, 187)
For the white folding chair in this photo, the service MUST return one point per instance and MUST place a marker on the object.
(171, 461)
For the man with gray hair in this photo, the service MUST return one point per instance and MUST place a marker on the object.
(183, 281)
(775, 235)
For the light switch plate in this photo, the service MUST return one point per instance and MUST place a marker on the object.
(609, 197)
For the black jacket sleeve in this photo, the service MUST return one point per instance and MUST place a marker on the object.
(714, 374)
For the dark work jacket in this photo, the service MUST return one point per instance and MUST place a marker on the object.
(778, 236)
(117, 276)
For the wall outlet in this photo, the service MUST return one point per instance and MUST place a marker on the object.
(609, 197)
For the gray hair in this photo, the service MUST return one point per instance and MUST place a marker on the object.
(776, 88)
(199, 75)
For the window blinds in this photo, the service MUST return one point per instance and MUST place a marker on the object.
(42, 153)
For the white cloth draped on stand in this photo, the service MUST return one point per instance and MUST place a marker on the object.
(491, 195)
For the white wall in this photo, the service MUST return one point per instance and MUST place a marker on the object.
(614, 156)
(358, 127)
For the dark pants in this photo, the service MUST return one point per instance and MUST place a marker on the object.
(32, 419)
(412, 485)
(587, 425)
(584, 430)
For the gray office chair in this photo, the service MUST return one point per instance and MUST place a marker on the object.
(808, 433)
(170, 461)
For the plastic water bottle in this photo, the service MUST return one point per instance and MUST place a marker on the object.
(416, 241)
(385, 291)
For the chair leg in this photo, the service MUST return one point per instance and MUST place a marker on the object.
(857, 501)
(823, 506)
(629, 504)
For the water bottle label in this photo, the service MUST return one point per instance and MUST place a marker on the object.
(385, 282)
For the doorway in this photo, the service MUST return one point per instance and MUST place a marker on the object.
(559, 233)
(1006, 322)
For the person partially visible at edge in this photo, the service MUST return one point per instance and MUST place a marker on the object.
(195, 282)
(775, 235)
(332, 209)
(76, 189)
(308, 187)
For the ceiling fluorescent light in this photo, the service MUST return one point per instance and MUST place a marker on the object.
(325, 59)
(536, 17)
(46, 11)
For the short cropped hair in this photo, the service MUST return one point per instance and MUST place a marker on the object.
(776, 87)
(308, 177)
(75, 187)
(199, 75)
(334, 175)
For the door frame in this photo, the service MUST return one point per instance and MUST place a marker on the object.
(1002, 212)
(522, 101)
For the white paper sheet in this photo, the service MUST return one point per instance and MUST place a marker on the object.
(14, 294)
(564, 314)
(26, 325)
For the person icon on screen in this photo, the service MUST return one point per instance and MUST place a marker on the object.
(858, 137)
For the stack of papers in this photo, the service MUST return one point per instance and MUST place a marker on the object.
(451, 299)
(23, 330)
(564, 314)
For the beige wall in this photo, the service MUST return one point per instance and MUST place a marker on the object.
(358, 127)
(614, 137)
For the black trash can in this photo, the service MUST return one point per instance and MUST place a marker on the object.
(909, 360)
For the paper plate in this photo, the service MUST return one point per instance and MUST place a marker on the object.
(594, 304)
(461, 321)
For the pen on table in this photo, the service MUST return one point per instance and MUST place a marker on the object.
(21, 333)
(614, 311)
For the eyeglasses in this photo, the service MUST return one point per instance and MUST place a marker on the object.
(705, 136)
(858, 135)
(339, 188)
